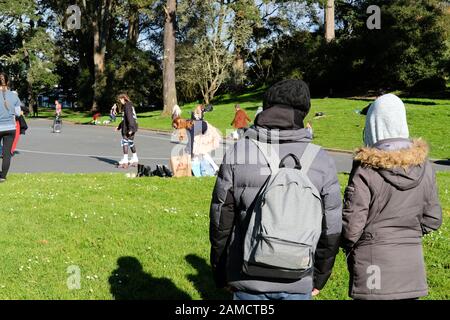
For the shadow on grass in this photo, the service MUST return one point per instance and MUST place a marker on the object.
(420, 103)
(255, 96)
(405, 100)
(149, 116)
(443, 162)
(254, 108)
(203, 280)
(130, 282)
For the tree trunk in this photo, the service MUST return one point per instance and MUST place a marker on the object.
(238, 69)
(169, 80)
(238, 63)
(100, 28)
(99, 67)
(31, 99)
(329, 21)
(133, 27)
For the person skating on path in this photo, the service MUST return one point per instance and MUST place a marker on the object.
(9, 110)
(292, 270)
(128, 128)
(391, 202)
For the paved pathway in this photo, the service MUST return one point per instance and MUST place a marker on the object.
(90, 149)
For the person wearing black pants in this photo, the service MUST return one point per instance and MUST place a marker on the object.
(9, 110)
(7, 140)
(128, 127)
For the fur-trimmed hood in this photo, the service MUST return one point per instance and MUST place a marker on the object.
(404, 168)
(378, 158)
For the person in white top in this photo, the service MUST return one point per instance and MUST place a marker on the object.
(176, 113)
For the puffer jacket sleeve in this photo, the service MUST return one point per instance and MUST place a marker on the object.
(356, 207)
(328, 246)
(432, 215)
(221, 222)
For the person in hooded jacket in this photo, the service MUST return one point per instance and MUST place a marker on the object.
(239, 182)
(390, 203)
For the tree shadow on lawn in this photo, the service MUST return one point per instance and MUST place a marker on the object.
(254, 97)
(443, 162)
(254, 108)
(130, 282)
(149, 116)
(405, 100)
(203, 280)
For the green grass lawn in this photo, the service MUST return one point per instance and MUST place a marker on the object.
(157, 229)
(341, 128)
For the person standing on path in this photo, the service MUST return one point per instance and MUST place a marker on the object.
(9, 109)
(58, 108)
(113, 113)
(128, 128)
(35, 110)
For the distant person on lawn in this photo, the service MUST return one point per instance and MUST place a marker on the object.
(241, 120)
(9, 110)
(391, 202)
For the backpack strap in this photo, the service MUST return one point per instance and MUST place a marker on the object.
(308, 156)
(270, 154)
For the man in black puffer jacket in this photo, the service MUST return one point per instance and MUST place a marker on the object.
(281, 123)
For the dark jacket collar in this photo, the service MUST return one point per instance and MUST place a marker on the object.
(278, 136)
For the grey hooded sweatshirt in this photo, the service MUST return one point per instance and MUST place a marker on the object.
(240, 179)
(391, 201)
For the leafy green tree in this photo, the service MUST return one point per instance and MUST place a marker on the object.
(32, 54)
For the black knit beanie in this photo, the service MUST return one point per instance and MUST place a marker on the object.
(292, 93)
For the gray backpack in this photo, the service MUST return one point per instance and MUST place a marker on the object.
(286, 219)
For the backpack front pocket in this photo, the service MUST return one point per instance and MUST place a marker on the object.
(280, 253)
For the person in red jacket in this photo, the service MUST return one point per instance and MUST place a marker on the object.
(241, 120)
